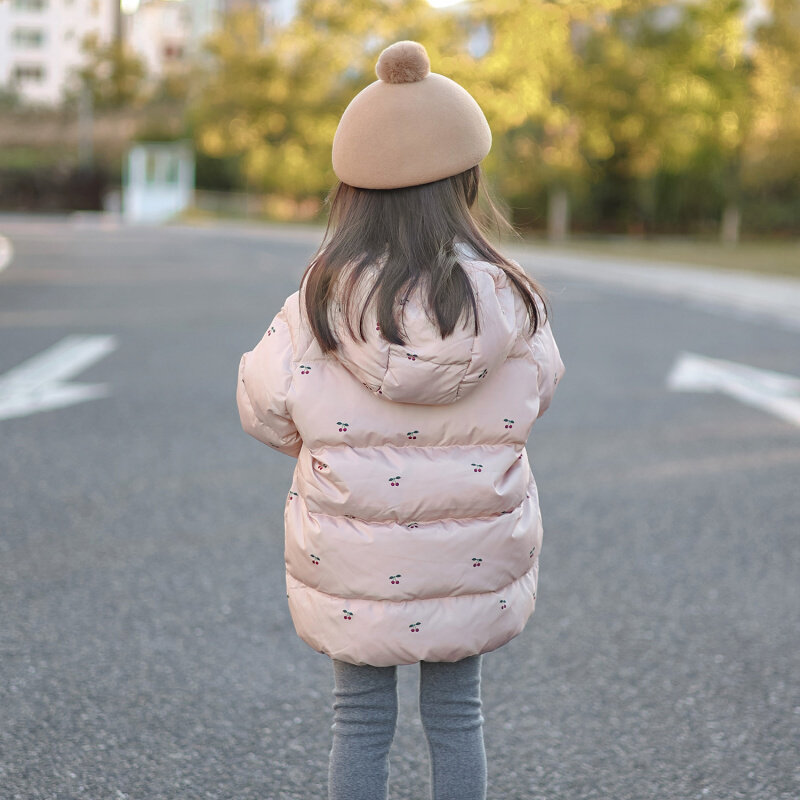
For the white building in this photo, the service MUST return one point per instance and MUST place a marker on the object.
(168, 33)
(40, 43)
(160, 32)
(40, 40)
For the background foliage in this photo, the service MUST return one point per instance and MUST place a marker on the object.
(650, 116)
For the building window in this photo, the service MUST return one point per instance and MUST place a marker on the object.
(173, 165)
(30, 5)
(28, 37)
(150, 168)
(28, 73)
(172, 51)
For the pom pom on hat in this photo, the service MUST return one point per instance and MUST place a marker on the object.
(403, 62)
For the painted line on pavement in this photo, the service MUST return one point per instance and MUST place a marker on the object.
(774, 392)
(6, 252)
(40, 383)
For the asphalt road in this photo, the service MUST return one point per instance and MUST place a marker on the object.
(146, 650)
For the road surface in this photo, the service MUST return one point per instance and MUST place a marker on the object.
(146, 650)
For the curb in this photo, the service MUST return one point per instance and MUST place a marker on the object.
(770, 298)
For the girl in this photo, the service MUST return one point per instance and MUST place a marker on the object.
(404, 377)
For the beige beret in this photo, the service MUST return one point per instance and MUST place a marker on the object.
(409, 127)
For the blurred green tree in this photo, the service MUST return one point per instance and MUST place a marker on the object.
(525, 83)
(273, 96)
(660, 106)
(113, 74)
(662, 89)
(772, 149)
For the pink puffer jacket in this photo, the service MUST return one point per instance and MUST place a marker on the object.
(412, 525)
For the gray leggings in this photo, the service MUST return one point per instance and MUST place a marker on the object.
(365, 714)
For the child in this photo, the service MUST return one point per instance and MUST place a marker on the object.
(405, 377)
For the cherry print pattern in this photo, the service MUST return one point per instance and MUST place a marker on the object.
(395, 481)
(271, 330)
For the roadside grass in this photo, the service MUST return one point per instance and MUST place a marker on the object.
(193, 216)
(33, 158)
(778, 257)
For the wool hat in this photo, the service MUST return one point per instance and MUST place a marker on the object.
(409, 127)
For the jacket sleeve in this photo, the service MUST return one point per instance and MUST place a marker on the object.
(265, 377)
(549, 364)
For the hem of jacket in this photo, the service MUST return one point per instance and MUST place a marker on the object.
(390, 648)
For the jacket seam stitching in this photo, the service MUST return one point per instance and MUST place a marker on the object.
(413, 599)
(338, 445)
(422, 522)
(335, 360)
(293, 360)
(385, 371)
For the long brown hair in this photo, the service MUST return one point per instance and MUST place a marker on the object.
(412, 233)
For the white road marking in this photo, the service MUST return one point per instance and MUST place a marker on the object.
(39, 384)
(774, 392)
(6, 253)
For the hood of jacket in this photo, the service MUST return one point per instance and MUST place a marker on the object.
(429, 370)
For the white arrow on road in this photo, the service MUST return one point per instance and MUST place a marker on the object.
(39, 384)
(6, 253)
(770, 391)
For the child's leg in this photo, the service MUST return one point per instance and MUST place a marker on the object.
(365, 715)
(450, 709)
